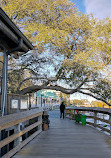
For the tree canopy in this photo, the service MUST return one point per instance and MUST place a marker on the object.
(72, 50)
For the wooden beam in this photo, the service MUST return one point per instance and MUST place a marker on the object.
(11, 35)
(17, 148)
(15, 136)
(13, 119)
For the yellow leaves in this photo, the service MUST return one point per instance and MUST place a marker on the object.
(99, 104)
(89, 59)
(58, 23)
(42, 17)
(99, 44)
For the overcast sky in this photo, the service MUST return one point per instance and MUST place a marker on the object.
(99, 8)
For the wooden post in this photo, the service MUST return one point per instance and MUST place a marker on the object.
(95, 115)
(74, 114)
(40, 119)
(0, 140)
(36, 99)
(69, 114)
(29, 101)
(16, 130)
(110, 123)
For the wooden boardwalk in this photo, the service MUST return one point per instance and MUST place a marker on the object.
(65, 139)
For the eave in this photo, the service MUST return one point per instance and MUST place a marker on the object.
(10, 35)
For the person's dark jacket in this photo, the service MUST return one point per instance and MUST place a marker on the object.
(62, 107)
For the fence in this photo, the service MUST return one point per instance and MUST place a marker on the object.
(96, 116)
(16, 130)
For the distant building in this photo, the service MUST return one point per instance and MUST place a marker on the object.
(45, 98)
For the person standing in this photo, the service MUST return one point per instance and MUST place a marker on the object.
(62, 110)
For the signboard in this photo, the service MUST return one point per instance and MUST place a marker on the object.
(23, 104)
(14, 104)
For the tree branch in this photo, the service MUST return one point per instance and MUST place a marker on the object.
(35, 88)
(36, 78)
(57, 88)
(83, 82)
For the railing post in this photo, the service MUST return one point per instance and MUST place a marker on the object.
(40, 119)
(95, 120)
(110, 123)
(70, 114)
(74, 114)
(16, 130)
(0, 140)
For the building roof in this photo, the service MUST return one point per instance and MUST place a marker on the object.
(10, 35)
(47, 94)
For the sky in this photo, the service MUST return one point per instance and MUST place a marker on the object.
(100, 9)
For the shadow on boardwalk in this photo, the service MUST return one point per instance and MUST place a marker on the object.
(65, 139)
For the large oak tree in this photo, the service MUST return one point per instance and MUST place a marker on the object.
(72, 50)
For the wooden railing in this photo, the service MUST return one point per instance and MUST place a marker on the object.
(16, 130)
(96, 116)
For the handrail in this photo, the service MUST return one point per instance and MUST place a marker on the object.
(13, 119)
(100, 110)
(25, 126)
(70, 111)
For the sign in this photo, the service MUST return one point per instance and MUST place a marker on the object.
(23, 104)
(14, 104)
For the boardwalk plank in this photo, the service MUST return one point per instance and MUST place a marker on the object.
(65, 139)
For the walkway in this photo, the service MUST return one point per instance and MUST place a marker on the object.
(65, 139)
